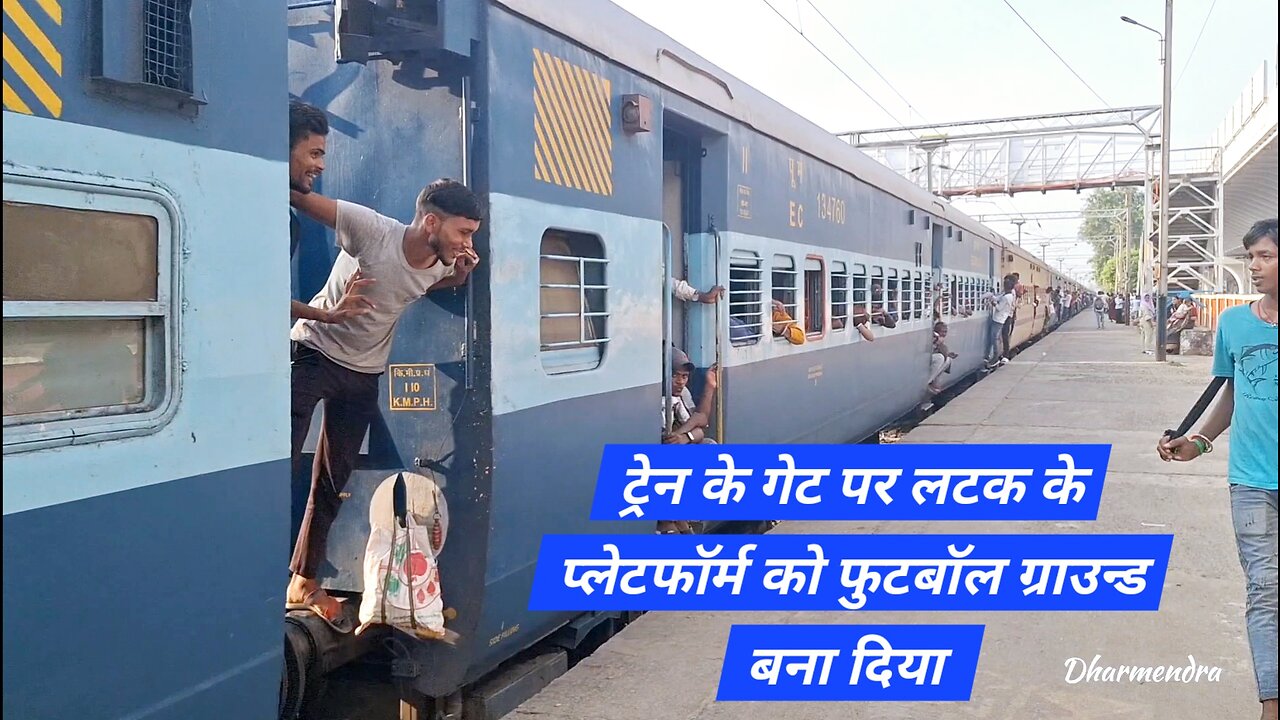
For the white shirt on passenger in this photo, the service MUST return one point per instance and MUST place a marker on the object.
(683, 290)
(374, 244)
(682, 408)
(1003, 308)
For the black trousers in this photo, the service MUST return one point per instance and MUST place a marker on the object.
(1006, 337)
(350, 405)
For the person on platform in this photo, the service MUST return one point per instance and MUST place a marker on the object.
(1245, 354)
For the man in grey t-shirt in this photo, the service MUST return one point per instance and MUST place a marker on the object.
(341, 362)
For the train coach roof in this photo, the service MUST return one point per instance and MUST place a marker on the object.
(623, 38)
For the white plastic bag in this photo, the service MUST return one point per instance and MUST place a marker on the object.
(402, 580)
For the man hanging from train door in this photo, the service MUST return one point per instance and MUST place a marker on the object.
(341, 363)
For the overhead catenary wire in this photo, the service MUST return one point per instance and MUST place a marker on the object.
(835, 65)
(1065, 64)
(1196, 44)
(864, 59)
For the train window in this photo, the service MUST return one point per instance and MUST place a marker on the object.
(860, 286)
(573, 308)
(919, 296)
(167, 56)
(784, 284)
(952, 287)
(815, 296)
(88, 332)
(839, 295)
(746, 298)
(142, 51)
(891, 294)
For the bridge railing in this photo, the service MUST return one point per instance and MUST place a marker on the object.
(1215, 304)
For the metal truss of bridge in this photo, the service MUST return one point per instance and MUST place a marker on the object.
(1034, 153)
(1071, 151)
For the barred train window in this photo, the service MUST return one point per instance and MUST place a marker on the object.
(891, 294)
(920, 296)
(573, 309)
(784, 284)
(815, 297)
(87, 331)
(860, 289)
(839, 295)
(167, 60)
(746, 298)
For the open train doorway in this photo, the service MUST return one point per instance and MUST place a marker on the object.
(694, 178)
(681, 166)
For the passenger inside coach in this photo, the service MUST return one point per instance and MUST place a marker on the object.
(784, 326)
(689, 423)
(880, 314)
(861, 322)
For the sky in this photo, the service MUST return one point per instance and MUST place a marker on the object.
(950, 60)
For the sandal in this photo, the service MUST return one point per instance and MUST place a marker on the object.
(342, 623)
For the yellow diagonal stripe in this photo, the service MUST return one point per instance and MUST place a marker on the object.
(573, 145)
(13, 102)
(555, 118)
(582, 124)
(52, 8)
(566, 115)
(599, 141)
(546, 132)
(46, 95)
(34, 34)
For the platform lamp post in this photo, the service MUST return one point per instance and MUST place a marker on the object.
(1162, 258)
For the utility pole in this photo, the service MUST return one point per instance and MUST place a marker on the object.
(1166, 96)
(1019, 224)
(1043, 247)
(1128, 223)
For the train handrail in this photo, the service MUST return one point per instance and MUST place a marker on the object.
(666, 329)
(695, 69)
(720, 373)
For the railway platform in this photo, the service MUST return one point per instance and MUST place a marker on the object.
(1076, 385)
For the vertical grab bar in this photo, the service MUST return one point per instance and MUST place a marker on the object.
(666, 329)
(470, 331)
(719, 328)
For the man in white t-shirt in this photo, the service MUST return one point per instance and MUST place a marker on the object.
(341, 363)
(1001, 312)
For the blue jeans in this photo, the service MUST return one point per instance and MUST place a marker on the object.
(1253, 513)
(993, 336)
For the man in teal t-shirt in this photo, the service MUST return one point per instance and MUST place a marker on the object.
(1245, 354)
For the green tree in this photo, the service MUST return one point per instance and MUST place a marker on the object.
(1104, 222)
(1106, 275)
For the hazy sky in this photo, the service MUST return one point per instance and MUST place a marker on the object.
(967, 59)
